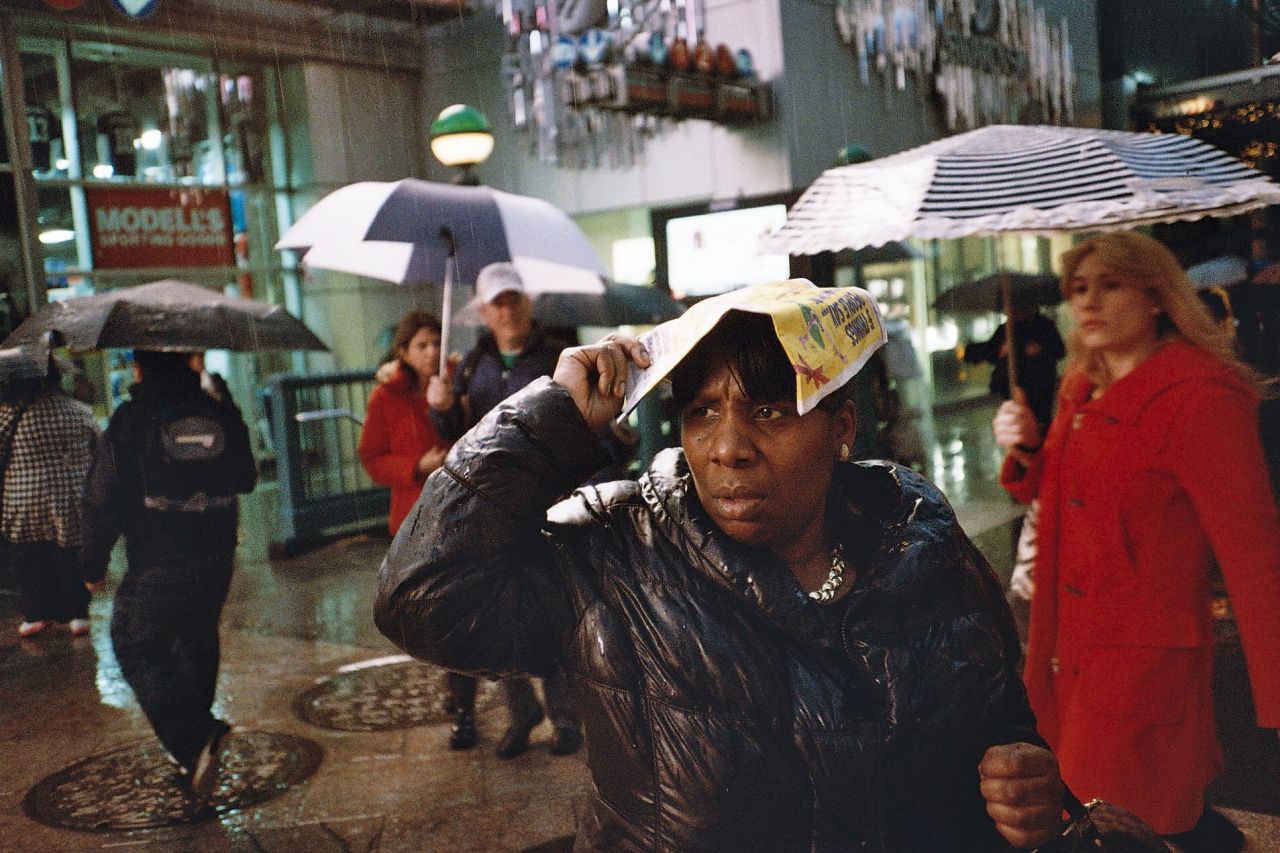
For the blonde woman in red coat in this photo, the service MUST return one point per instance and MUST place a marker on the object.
(1152, 466)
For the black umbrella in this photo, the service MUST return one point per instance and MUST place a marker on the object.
(19, 363)
(1027, 290)
(167, 315)
(619, 305)
(31, 361)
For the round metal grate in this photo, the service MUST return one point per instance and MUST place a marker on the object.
(386, 696)
(137, 787)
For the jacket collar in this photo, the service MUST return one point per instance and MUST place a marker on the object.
(1168, 367)
(165, 386)
(399, 381)
(890, 513)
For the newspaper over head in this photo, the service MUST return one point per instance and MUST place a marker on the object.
(828, 334)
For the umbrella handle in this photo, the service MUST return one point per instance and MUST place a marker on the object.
(446, 315)
(1006, 294)
(446, 310)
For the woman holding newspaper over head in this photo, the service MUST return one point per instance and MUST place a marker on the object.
(773, 647)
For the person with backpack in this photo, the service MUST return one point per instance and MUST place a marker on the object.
(166, 476)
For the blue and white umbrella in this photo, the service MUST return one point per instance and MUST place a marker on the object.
(421, 232)
(405, 231)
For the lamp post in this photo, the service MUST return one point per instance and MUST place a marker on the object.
(460, 137)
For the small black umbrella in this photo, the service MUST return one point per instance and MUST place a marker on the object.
(30, 361)
(1027, 290)
(19, 363)
(619, 305)
(167, 315)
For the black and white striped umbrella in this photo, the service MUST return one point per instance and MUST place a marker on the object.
(1031, 179)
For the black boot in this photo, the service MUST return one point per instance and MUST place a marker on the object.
(463, 734)
(565, 741)
(1213, 833)
(515, 739)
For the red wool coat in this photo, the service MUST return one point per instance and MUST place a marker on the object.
(1137, 489)
(397, 430)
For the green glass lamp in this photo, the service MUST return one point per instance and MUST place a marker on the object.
(461, 138)
(852, 153)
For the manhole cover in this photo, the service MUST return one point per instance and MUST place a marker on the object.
(136, 787)
(381, 697)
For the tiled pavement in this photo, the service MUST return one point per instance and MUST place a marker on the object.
(289, 623)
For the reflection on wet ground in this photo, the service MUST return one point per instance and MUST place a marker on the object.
(300, 629)
(965, 464)
(393, 692)
(965, 460)
(325, 594)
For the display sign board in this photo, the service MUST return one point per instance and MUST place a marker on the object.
(147, 227)
(710, 253)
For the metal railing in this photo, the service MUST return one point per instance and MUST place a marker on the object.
(315, 426)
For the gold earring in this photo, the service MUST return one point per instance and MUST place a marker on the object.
(844, 453)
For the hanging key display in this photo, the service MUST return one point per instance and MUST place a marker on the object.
(991, 61)
(587, 81)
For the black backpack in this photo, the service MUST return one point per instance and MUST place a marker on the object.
(184, 456)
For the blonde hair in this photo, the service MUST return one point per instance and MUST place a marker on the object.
(1183, 316)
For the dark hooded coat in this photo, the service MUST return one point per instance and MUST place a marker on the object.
(723, 709)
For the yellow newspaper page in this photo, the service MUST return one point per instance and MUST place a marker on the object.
(827, 333)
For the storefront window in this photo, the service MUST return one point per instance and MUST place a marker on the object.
(57, 234)
(144, 117)
(44, 114)
(243, 122)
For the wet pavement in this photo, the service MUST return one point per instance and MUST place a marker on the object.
(340, 742)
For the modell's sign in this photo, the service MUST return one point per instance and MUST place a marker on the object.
(138, 227)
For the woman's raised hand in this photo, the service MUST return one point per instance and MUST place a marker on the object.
(1016, 429)
(596, 376)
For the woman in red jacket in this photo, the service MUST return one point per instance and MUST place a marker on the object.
(399, 445)
(1152, 465)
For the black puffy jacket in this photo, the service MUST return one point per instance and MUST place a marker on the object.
(723, 709)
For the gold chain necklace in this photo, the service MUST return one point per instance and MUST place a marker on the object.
(826, 593)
